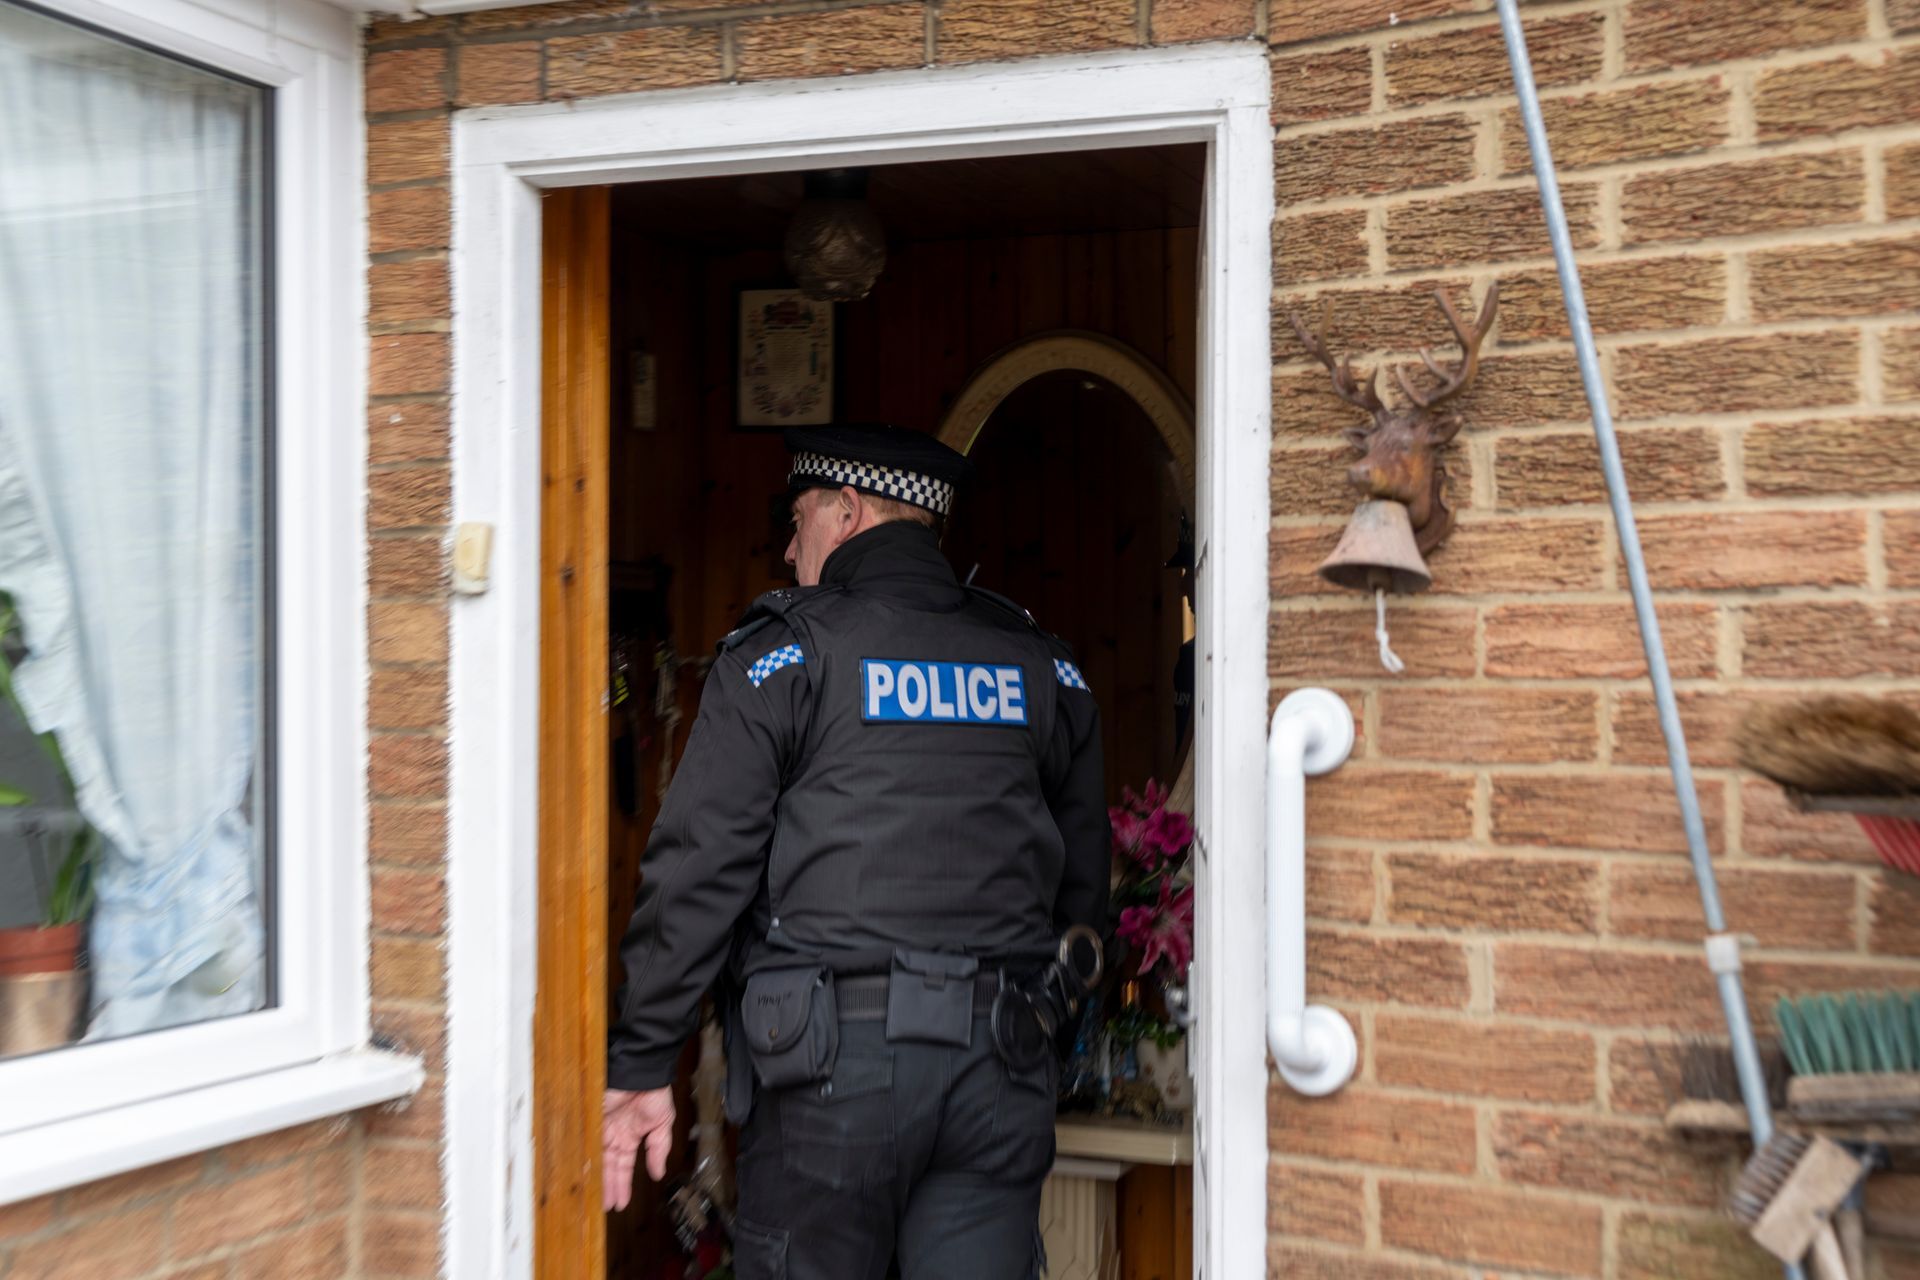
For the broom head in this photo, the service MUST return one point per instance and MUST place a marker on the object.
(1834, 746)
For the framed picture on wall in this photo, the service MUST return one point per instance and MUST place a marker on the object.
(784, 363)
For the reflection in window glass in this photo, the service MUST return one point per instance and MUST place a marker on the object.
(134, 819)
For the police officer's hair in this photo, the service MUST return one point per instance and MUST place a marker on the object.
(889, 509)
(894, 509)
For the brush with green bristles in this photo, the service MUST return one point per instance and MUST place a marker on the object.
(1854, 1058)
(1860, 1032)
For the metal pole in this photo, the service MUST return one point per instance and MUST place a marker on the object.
(1723, 951)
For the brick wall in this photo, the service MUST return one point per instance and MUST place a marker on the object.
(1500, 897)
(1499, 886)
(280, 1207)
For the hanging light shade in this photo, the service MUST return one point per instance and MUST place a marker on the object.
(836, 247)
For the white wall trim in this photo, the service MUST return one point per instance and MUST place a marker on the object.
(501, 159)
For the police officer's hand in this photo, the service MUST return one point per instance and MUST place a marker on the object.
(629, 1121)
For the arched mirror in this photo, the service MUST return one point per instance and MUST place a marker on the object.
(1085, 458)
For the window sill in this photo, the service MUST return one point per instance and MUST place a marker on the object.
(71, 1152)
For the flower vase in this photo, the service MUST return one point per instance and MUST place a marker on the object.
(41, 988)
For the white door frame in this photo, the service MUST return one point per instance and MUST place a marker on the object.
(502, 159)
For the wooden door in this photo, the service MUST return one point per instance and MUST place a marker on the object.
(569, 1011)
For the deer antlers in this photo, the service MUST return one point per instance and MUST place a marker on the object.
(1361, 394)
(1361, 391)
(1400, 451)
(1453, 382)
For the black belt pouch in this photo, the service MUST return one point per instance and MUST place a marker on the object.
(792, 1027)
(930, 998)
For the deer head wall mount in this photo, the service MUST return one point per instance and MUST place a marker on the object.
(1400, 453)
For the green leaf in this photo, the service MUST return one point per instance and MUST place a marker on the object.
(72, 897)
(12, 797)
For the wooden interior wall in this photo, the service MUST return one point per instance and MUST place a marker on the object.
(697, 492)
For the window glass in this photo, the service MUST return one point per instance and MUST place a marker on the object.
(135, 818)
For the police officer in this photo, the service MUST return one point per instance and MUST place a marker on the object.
(889, 814)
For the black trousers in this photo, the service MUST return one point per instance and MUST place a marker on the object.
(918, 1155)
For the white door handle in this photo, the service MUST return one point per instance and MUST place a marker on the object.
(1312, 1045)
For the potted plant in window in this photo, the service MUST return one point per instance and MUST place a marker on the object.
(41, 983)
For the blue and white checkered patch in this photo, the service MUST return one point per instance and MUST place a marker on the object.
(1069, 675)
(785, 656)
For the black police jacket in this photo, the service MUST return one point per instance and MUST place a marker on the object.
(886, 760)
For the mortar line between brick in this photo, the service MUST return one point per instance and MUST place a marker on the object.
(1631, 167)
(1382, 893)
(1445, 24)
(1556, 1195)
(1877, 551)
(1415, 277)
(435, 253)
(1480, 978)
(1726, 643)
(1743, 128)
(1316, 444)
(1675, 600)
(1486, 1163)
(1863, 914)
(1832, 235)
(1620, 945)
(1376, 233)
(1610, 1241)
(617, 26)
(1865, 50)
(1613, 46)
(356, 1205)
(1872, 385)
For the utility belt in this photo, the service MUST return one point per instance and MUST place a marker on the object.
(873, 999)
(786, 1025)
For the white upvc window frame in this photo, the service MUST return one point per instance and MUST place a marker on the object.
(92, 1109)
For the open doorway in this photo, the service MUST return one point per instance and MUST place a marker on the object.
(528, 690)
(1069, 281)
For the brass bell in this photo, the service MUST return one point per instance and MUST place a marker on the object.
(1377, 552)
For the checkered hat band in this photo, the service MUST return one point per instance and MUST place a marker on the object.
(904, 486)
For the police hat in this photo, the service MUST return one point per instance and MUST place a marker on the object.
(890, 462)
